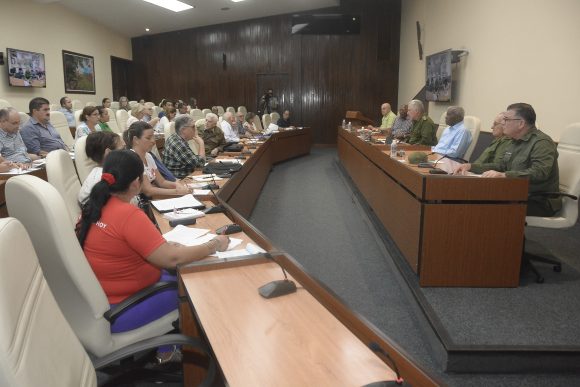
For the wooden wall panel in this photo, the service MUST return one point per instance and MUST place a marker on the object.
(327, 74)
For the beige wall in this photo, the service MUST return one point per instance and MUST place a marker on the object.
(519, 51)
(50, 28)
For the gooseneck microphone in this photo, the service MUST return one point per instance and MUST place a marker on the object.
(277, 288)
(375, 347)
(218, 208)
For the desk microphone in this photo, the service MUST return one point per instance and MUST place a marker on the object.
(277, 288)
(218, 208)
(397, 382)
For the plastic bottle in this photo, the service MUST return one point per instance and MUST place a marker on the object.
(394, 148)
(344, 124)
(349, 126)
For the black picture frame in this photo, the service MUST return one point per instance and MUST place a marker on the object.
(79, 73)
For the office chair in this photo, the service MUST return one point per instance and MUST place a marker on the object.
(42, 211)
(58, 120)
(83, 162)
(473, 124)
(62, 175)
(37, 345)
(113, 121)
(122, 116)
(23, 118)
(569, 168)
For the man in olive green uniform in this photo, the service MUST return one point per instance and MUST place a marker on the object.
(531, 154)
(213, 137)
(424, 131)
(494, 152)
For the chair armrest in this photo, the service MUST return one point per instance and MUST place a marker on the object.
(553, 194)
(112, 314)
(155, 342)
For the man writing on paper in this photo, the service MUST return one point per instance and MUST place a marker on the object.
(455, 139)
(531, 154)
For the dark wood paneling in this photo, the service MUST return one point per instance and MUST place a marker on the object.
(327, 74)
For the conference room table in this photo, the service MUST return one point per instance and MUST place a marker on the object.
(305, 338)
(464, 231)
(38, 172)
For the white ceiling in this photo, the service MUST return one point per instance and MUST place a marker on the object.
(131, 17)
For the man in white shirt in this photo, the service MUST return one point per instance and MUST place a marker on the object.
(229, 120)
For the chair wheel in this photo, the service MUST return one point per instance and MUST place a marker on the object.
(557, 268)
(540, 280)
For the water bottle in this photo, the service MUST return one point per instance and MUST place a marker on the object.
(349, 126)
(344, 124)
(394, 148)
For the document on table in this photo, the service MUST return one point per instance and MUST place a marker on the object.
(201, 192)
(186, 213)
(250, 249)
(205, 178)
(19, 171)
(184, 235)
(185, 201)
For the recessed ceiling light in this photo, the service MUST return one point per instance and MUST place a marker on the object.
(236, 1)
(147, 29)
(173, 5)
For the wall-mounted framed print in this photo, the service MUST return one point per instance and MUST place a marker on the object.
(79, 73)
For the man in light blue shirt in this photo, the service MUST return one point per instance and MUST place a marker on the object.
(12, 147)
(66, 109)
(39, 136)
(456, 138)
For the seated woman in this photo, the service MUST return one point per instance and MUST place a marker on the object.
(98, 146)
(125, 250)
(251, 129)
(138, 113)
(166, 119)
(89, 122)
(124, 104)
(140, 138)
(104, 119)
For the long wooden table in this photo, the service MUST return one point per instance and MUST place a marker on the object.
(306, 338)
(452, 230)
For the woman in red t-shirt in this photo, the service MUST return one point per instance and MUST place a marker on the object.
(125, 250)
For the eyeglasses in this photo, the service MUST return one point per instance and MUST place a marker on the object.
(512, 119)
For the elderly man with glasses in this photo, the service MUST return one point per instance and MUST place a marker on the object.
(177, 155)
(495, 151)
(531, 154)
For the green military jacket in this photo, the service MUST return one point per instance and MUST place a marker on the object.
(424, 132)
(213, 138)
(533, 156)
(495, 151)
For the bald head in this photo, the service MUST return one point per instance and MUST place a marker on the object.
(385, 108)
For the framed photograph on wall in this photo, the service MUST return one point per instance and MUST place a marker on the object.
(79, 73)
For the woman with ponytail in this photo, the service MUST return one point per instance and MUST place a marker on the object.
(125, 250)
(140, 138)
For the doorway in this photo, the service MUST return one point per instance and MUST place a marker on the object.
(121, 74)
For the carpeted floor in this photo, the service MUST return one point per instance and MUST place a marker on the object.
(307, 209)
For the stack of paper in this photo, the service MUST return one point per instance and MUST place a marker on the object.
(189, 236)
(187, 213)
(185, 201)
(250, 249)
(19, 171)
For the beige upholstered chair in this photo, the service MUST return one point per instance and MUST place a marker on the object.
(242, 109)
(169, 129)
(61, 174)
(133, 103)
(266, 120)
(258, 123)
(37, 345)
(78, 116)
(54, 107)
(221, 110)
(275, 116)
(91, 103)
(4, 104)
(122, 117)
(442, 125)
(39, 207)
(115, 105)
(473, 124)
(23, 118)
(83, 163)
(569, 166)
(113, 121)
(206, 111)
(77, 105)
(58, 120)
(196, 114)
(231, 109)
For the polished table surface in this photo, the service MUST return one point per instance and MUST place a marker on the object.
(287, 341)
(451, 230)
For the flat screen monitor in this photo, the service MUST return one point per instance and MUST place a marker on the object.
(438, 82)
(25, 68)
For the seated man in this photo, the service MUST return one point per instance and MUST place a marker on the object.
(284, 121)
(12, 147)
(39, 136)
(455, 138)
(177, 155)
(66, 109)
(239, 127)
(495, 151)
(424, 130)
(213, 136)
(531, 154)
(387, 121)
(231, 135)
